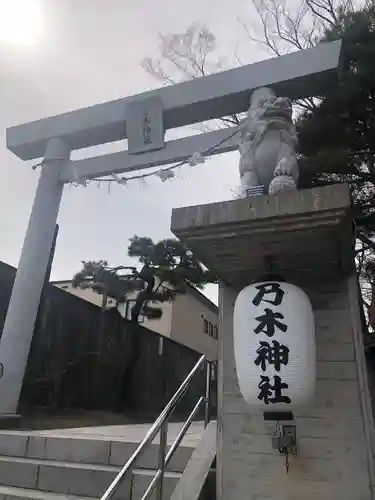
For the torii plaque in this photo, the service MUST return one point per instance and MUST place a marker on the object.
(301, 74)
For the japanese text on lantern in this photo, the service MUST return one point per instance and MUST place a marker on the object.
(272, 352)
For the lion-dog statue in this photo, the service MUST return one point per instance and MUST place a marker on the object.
(268, 144)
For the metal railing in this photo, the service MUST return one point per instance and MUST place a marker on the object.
(161, 425)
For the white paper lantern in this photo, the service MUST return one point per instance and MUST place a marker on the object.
(274, 346)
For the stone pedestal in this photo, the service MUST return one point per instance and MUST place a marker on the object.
(307, 237)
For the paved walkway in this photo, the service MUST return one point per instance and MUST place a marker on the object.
(130, 433)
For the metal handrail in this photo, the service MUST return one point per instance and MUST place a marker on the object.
(160, 425)
(172, 449)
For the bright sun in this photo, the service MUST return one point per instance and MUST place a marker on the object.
(20, 21)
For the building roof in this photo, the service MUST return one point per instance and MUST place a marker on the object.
(202, 297)
(197, 293)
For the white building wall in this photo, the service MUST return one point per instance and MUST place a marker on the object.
(190, 319)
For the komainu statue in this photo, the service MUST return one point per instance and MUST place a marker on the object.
(268, 143)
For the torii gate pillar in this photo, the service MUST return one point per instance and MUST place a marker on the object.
(23, 307)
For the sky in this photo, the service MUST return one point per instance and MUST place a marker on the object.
(61, 55)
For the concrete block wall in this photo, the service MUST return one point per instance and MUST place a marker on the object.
(334, 435)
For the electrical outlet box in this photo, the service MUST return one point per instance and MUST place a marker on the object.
(290, 435)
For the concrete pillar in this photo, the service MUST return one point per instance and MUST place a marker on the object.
(307, 237)
(23, 306)
(334, 435)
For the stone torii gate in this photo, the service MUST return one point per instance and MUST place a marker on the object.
(301, 74)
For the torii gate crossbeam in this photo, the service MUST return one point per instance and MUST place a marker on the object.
(300, 74)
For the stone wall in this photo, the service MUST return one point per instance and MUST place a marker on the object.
(335, 452)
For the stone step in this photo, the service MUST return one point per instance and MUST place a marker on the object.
(12, 493)
(86, 450)
(80, 479)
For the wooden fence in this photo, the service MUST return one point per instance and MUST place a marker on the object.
(81, 358)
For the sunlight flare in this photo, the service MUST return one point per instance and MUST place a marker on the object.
(20, 21)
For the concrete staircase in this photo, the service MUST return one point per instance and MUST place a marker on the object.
(79, 464)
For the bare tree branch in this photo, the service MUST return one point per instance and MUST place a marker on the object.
(187, 56)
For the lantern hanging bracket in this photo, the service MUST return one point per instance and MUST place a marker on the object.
(280, 416)
(271, 273)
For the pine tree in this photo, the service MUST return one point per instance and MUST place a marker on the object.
(337, 136)
(167, 269)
